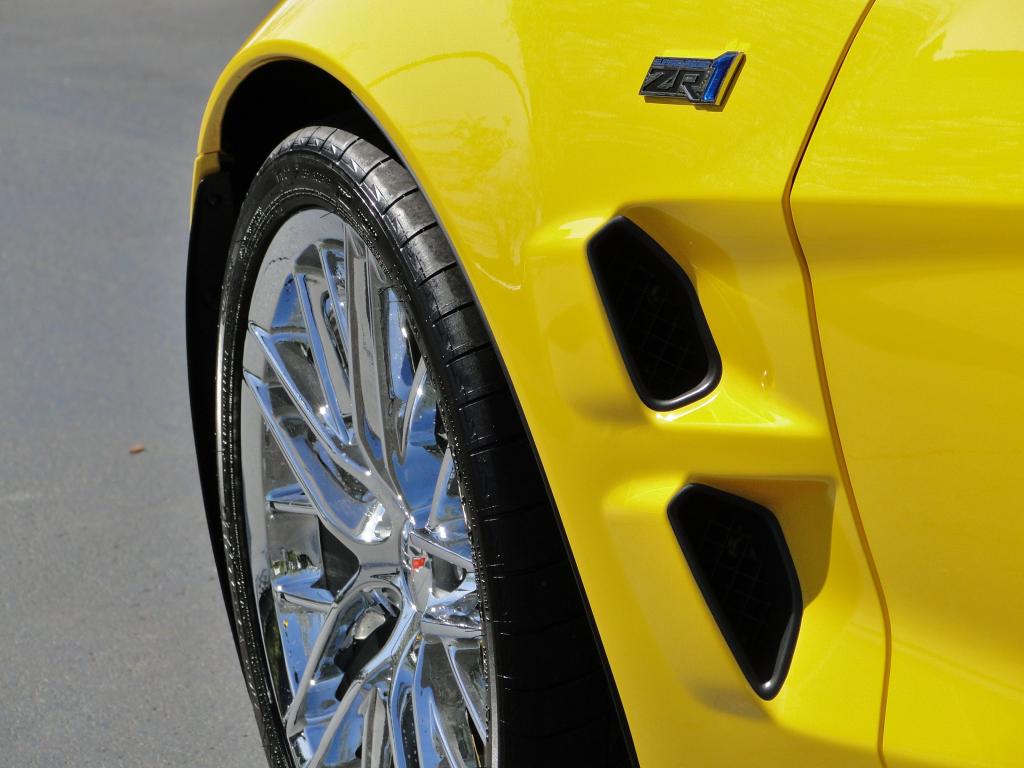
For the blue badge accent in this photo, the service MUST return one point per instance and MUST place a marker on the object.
(698, 81)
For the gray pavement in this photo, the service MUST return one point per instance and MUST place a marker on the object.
(115, 650)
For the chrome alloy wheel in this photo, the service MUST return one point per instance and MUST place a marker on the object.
(360, 553)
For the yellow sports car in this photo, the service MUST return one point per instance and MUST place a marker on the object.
(626, 383)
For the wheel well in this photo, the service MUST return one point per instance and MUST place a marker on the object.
(272, 102)
(281, 97)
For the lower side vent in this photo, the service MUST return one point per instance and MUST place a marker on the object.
(742, 565)
(655, 316)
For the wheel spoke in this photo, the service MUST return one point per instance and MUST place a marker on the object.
(273, 345)
(371, 394)
(334, 261)
(427, 736)
(354, 463)
(348, 710)
(376, 751)
(348, 512)
(337, 631)
(442, 730)
(381, 662)
(444, 531)
(419, 458)
(467, 669)
(446, 504)
(403, 678)
(419, 413)
(401, 363)
(332, 383)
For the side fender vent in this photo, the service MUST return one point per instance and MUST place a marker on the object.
(742, 565)
(654, 313)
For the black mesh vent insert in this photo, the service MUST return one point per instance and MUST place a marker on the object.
(742, 565)
(655, 315)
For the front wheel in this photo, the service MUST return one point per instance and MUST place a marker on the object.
(401, 592)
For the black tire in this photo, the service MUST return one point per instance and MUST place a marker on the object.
(547, 681)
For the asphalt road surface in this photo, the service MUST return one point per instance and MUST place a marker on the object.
(114, 650)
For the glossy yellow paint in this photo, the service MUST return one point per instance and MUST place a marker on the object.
(522, 122)
(910, 207)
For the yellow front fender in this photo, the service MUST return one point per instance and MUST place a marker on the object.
(522, 122)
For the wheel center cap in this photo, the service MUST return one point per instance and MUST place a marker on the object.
(418, 570)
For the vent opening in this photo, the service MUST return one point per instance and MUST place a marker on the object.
(741, 563)
(654, 313)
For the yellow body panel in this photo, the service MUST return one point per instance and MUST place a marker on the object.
(910, 207)
(522, 122)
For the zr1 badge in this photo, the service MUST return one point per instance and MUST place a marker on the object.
(698, 81)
